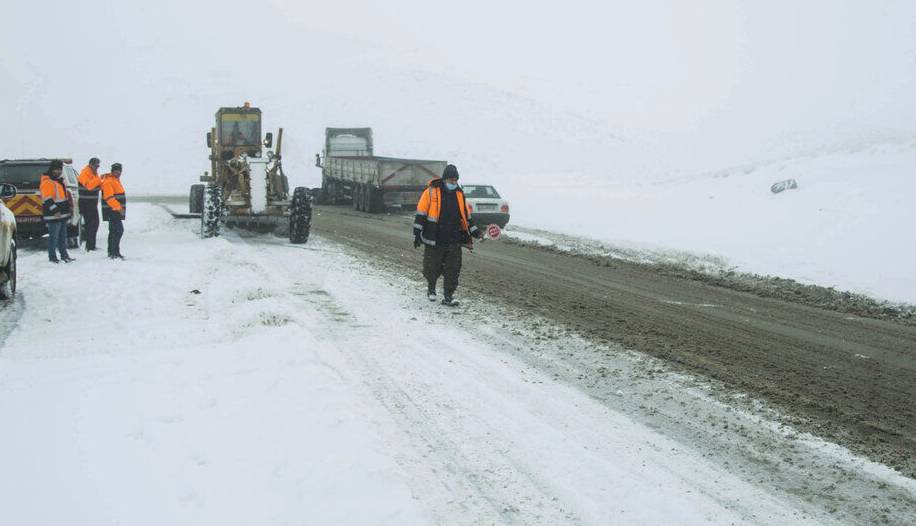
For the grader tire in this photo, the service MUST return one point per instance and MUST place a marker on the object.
(300, 216)
(211, 211)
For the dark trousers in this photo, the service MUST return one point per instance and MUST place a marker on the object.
(57, 238)
(115, 231)
(90, 213)
(443, 261)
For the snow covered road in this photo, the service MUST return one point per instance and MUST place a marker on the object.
(243, 380)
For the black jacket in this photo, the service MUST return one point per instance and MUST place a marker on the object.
(427, 229)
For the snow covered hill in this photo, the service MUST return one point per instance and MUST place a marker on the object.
(846, 225)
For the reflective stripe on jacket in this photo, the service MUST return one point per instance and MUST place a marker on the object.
(113, 197)
(90, 184)
(426, 222)
(55, 199)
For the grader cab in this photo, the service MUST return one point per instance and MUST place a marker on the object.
(246, 187)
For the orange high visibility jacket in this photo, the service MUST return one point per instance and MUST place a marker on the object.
(113, 197)
(55, 199)
(426, 222)
(90, 184)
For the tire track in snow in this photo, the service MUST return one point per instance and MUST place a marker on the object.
(470, 448)
(476, 480)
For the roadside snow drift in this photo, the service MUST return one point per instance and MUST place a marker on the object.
(847, 225)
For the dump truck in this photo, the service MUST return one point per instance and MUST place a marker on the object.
(246, 187)
(350, 172)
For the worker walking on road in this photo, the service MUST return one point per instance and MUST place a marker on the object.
(90, 184)
(443, 224)
(114, 209)
(56, 204)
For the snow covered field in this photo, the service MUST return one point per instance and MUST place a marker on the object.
(846, 226)
(247, 381)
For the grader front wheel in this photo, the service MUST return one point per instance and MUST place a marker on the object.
(211, 212)
(300, 216)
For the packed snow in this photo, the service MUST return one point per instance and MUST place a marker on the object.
(243, 380)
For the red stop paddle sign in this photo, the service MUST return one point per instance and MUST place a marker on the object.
(493, 231)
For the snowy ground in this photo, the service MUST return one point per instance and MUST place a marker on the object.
(845, 225)
(247, 381)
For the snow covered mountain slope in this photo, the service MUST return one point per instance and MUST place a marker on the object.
(846, 225)
(245, 380)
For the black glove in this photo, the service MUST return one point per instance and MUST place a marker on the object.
(417, 241)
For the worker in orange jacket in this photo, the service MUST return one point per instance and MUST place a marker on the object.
(114, 209)
(443, 225)
(89, 186)
(56, 203)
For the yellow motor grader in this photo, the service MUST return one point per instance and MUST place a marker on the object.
(246, 187)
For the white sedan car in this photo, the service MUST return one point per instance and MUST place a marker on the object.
(7, 244)
(487, 206)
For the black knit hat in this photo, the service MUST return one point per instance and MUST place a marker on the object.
(116, 167)
(95, 160)
(56, 164)
(450, 172)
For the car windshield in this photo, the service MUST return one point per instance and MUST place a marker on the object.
(23, 176)
(239, 129)
(479, 191)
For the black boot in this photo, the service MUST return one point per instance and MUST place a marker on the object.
(431, 292)
(449, 299)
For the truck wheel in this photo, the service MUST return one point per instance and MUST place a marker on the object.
(8, 288)
(354, 195)
(300, 216)
(374, 199)
(323, 195)
(334, 193)
(196, 199)
(211, 211)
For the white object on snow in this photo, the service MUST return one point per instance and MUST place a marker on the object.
(781, 186)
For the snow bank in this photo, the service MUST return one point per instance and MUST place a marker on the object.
(845, 226)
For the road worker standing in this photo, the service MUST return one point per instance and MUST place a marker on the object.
(89, 186)
(56, 203)
(443, 224)
(114, 209)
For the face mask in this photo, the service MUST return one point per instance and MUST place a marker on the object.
(451, 186)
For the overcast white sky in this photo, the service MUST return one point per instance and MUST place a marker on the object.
(139, 83)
